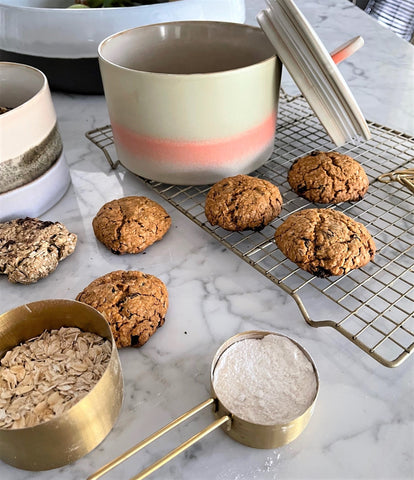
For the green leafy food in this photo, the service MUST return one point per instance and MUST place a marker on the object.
(112, 3)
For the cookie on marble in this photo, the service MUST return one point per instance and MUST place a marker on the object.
(130, 224)
(325, 242)
(133, 303)
(30, 249)
(328, 177)
(242, 203)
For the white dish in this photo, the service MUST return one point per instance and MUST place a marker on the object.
(46, 28)
(36, 197)
(63, 43)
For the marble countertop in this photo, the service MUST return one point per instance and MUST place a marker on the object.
(363, 423)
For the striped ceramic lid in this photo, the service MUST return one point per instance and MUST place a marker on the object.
(313, 70)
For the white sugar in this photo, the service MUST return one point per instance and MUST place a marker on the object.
(265, 381)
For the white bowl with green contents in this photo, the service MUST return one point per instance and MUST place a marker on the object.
(63, 42)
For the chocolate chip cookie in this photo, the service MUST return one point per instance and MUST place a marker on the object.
(30, 249)
(325, 242)
(133, 303)
(328, 177)
(130, 224)
(242, 203)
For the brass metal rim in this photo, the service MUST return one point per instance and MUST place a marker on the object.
(76, 432)
(252, 434)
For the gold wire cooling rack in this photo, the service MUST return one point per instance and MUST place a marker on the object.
(372, 306)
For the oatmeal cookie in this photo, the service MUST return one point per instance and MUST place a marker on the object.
(130, 224)
(328, 177)
(325, 242)
(30, 248)
(242, 203)
(133, 303)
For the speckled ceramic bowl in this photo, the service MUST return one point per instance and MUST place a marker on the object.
(30, 139)
(30, 143)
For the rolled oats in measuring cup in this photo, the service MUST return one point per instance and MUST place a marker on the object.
(60, 376)
(264, 387)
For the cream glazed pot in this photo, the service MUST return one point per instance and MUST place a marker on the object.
(30, 141)
(33, 171)
(191, 102)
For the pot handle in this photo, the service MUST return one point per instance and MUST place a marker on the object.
(347, 49)
(159, 463)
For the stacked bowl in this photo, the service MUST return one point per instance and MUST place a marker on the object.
(33, 172)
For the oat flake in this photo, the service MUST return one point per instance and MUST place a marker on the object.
(46, 375)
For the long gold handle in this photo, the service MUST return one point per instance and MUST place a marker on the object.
(139, 446)
(159, 463)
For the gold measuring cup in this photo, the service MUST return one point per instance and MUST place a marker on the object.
(247, 433)
(74, 433)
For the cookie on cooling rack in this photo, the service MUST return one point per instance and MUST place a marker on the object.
(328, 177)
(30, 249)
(325, 242)
(130, 224)
(133, 303)
(242, 203)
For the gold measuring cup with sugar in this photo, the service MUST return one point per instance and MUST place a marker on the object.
(252, 421)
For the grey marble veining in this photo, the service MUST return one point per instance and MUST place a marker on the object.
(363, 424)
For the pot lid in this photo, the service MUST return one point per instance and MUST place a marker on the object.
(313, 70)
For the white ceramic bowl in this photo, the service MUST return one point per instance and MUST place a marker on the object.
(63, 43)
(36, 197)
(30, 144)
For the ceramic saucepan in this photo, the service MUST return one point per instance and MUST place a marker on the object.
(191, 102)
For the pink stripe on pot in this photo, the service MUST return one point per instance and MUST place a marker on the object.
(205, 152)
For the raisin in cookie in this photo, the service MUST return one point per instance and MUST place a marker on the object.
(242, 203)
(30, 248)
(130, 224)
(325, 242)
(328, 177)
(133, 303)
